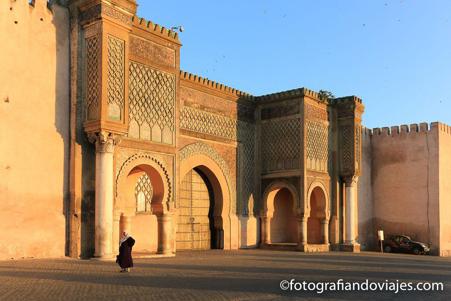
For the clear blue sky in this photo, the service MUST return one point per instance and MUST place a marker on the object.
(396, 55)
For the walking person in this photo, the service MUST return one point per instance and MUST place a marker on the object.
(124, 259)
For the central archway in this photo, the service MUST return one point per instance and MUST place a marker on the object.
(204, 161)
(196, 219)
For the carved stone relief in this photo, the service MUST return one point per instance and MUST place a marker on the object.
(152, 104)
(280, 144)
(208, 123)
(92, 77)
(317, 146)
(151, 51)
(116, 78)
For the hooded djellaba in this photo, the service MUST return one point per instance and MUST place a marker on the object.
(124, 259)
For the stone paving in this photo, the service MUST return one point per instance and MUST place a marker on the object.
(219, 275)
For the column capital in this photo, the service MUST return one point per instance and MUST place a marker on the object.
(351, 181)
(104, 141)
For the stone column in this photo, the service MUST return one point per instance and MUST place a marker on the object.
(105, 143)
(302, 232)
(325, 229)
(116, 232)
(350, 214)
(164, 244)
(266, 230)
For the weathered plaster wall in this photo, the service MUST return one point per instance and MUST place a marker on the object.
(367, 236)
(445, 189)
(405, 182)
(34, 105)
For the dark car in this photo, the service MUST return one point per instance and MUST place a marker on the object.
(403, 244)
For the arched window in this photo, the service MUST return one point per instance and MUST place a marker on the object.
(143, 194)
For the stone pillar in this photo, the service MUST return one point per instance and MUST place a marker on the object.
(302, 232)
(266, 230)
(165, 243)
(325, 229)
(116, 233)
(351, 207)
(105, 143)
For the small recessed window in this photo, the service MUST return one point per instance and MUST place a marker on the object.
(143, 194)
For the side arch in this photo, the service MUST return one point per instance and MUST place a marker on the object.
(155, 167)
(325, 207)
(272, 189)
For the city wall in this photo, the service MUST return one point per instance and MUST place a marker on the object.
(34, 105)
(403, 170)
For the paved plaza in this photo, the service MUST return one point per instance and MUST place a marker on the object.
(220, 275)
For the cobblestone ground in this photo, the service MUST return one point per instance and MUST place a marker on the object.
(219, 275)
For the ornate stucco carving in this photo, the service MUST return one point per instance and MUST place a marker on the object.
(280, 144)
(152, 104)
(92, 77)
(116, 78)
(104, 141)
(247, 167)
(208, 123)
(95, 12)
(151, 51)
(317, 146)
(129, 161)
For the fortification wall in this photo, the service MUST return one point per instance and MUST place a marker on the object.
(405, 177)
(445, 188)
(34, 135)
(367, 236)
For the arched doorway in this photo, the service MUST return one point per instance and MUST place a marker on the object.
(142, 194)
(196, 219)
(205, 159)
(284, 228)
(317, 228)
(279, 223)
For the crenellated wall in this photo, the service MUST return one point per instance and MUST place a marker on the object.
(401, 183)
(34, 135)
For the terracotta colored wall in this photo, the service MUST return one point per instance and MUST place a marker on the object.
(405, 182)
(145, 232)
(445, 189)
(283, 222)
(34, 105)
(367, 235)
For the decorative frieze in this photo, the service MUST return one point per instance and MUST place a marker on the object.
(153, 52)
(285, 109)
(204, 122)
(152, 104)
(95, 12)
